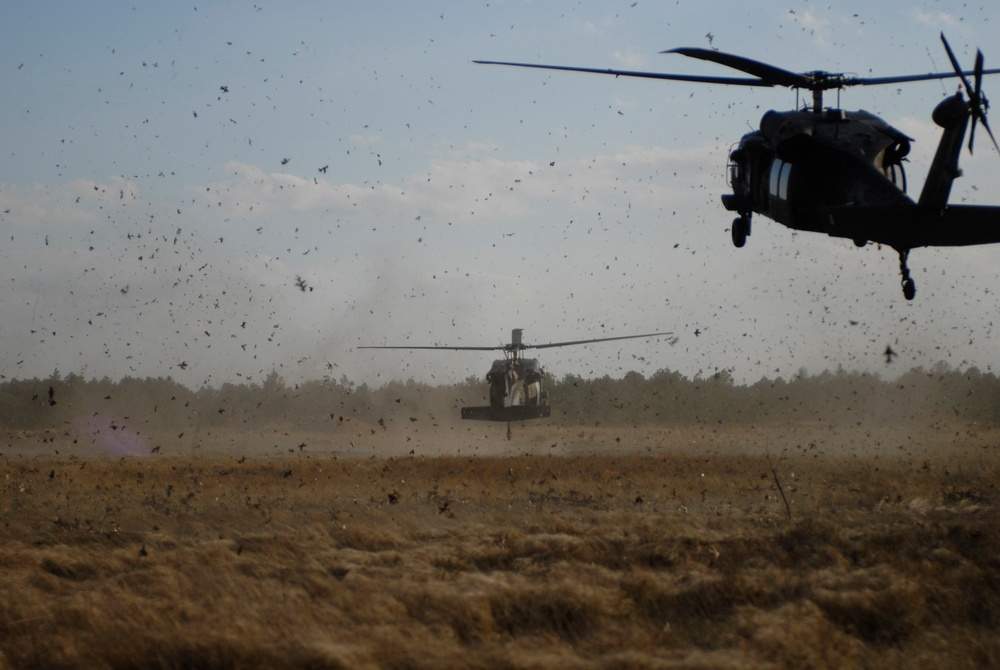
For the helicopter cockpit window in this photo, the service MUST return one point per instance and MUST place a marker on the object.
(778, 181)
(892, 162)
(737, 169)
(896, 175)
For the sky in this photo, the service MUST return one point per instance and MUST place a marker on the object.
(209, 192)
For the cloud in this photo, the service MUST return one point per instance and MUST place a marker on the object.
(365, 139)
(74, 204)
(934, 19)
(809, 21)
(629, 60)
(475, 190)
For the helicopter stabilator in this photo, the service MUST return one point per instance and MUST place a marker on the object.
(840, 172)
(516, 392)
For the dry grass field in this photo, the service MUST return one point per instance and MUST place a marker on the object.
(565, 548)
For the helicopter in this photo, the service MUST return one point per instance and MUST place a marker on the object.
(516, 392)
(838, 172)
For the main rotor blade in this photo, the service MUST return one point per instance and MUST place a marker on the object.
(728, 81)
(826, 81)
(908, 78)
(769, 74)
(511, 347)
(432, 347)
(599, 339)
(815, 80)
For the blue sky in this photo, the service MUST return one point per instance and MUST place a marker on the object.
(162, 190)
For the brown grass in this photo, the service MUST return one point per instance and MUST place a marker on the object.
(662, 554)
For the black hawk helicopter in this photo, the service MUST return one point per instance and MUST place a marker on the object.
(516, 392)
(841, 173)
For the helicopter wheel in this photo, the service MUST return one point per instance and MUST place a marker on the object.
(909, 288)
(740, 229)
(860, 243)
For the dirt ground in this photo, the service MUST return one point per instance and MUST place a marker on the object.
(567, 547)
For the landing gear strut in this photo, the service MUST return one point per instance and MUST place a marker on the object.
(741, 230)
(909, 288)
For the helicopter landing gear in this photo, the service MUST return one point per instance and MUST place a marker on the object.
(741, 230)
(508, 430)
(909, 288)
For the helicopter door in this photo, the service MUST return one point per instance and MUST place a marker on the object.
(533, 392)
(777, 188)
(498, 391)
(516, 393)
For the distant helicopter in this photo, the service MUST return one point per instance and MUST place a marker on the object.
(516, 392)
(841, 173)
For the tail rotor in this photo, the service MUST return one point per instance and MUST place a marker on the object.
(978, 104)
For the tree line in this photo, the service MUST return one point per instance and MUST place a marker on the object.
(664, 398)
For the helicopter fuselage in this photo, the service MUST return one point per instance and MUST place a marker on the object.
(515, 382)
(800, 164)
(515, 392)
(841, 173)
